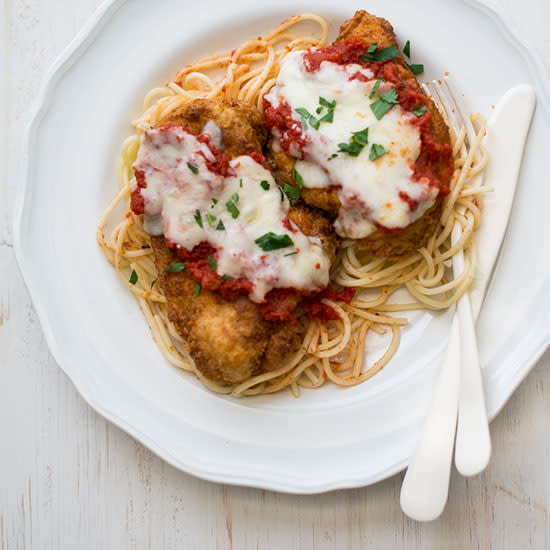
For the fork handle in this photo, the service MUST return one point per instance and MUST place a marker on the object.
(426, 484)
(473, 441)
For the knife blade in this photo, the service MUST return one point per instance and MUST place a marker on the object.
(507, 131)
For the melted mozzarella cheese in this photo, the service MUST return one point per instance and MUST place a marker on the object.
(174, 193)
(368, 190)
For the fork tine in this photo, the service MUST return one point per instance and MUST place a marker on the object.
(462, 113)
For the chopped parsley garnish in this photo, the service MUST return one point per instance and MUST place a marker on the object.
(376, 151)
(211, 219)
(384, 103)
(176, 267)
(407, 49)
(415, 68)
(291, 253)
(333, 156)
(232, 208)
(198, 218)
(419, 111)
(212, 262)
(193, 168)
(384, 54)
(292, 192)
(375, 88)
(297, 178)
(197, 289)
(241, 182)
(315, 122)
(133, 277)
(324, 103)
(220, 226)
(235, 197)
(225, 277)
(214, 202)
(265, 185)
(356, 143)
(304, 114)
(154, 283)
(271, 241)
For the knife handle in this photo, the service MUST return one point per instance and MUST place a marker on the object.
(473, 441)
(426, 484)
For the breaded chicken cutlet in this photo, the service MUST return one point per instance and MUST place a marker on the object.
(230, 340)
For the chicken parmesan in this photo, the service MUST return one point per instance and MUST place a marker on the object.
(272, 212)
(370, 146)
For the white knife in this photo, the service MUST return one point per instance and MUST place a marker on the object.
(507, 132)
(425, 488)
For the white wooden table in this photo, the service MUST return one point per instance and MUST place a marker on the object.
(71, 480)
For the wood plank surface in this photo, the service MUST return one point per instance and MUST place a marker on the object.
(69, 479)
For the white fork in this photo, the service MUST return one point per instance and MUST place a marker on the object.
(459, 387)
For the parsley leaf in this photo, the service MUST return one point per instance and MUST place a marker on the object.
(292, 193)
(198, 218)
(419, 111)
(176, 267)
(375, 88)
(235, 197)
(304, 114)
(154, 282)
(362, 137)
(211, 219)
(324, 103)
(220, 226)
(271, 241)
(356, 143)
(407, 49)
(415, 68)
(376, 151)
(133, 277)
(197, 289)
(265, 185)
(212, 262)
(193, 168)
(315, 122)
(225, 277)
(384, 54)
(232, 208)
(390, 96)
(297, 178)
(291, 253)
(384, 103)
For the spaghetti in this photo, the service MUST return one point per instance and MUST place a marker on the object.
(333, 351)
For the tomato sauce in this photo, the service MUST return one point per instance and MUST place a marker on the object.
(280, 303)
(291, 131)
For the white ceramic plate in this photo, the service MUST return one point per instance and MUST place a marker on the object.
(329, 438)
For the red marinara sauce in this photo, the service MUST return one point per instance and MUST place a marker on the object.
(280, 303)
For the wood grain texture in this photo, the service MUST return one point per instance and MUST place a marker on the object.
(69, 479)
